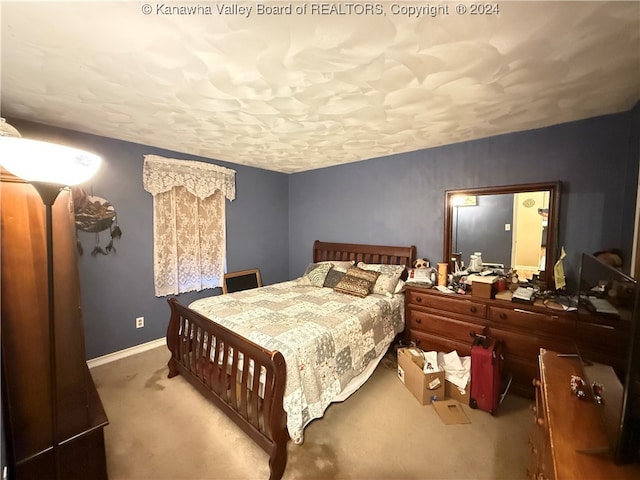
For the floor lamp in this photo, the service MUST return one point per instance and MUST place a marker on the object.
(49, 168)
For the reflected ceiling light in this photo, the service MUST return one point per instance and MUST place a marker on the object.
(464, 200)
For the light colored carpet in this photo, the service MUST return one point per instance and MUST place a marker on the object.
(163, 428)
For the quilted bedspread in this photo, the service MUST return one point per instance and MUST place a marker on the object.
(327, 338)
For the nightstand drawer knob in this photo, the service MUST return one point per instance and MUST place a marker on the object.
(418, 320)
(473, 309)
(503, 316)
(419, 299)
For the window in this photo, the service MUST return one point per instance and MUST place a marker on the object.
(189, 227)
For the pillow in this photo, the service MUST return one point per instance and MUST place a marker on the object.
(399, 287)
(333, 277)
(357, 282)
(359, 287)
(339, 265)
(316, 273)
(362, 273)
(388, 279)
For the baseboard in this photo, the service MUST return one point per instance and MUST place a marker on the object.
(127, 352)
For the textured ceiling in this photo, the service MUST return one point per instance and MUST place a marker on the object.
(305, 90)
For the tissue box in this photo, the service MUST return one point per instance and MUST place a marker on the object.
(424, 387)
(451, 391)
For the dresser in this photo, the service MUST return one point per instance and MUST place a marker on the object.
(444, 322)
(565, 426)
(29, 415)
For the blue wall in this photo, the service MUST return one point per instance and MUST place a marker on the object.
(399, 199)
(391, 200)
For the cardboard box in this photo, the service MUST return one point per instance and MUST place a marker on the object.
(451, 412)
(483, 290)
(452, 391)
(423, 386)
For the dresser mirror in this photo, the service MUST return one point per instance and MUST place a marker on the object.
(512, 226)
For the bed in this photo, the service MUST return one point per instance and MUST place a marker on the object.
(239, 349)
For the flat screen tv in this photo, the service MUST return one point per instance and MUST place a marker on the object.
(607, 339)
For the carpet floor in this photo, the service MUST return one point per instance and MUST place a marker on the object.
(162, 428)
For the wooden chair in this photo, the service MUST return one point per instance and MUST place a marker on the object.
(241, 280)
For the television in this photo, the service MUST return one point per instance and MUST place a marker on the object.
(608, 343)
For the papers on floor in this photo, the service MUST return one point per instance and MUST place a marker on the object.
(457, 370)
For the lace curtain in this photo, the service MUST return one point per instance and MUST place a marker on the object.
(189, 234)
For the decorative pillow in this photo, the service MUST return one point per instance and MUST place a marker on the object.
(388, 279)
(333, 277)
(316, 273)
(360, 287)
(362, 273)
(340, 265)
(357, 282)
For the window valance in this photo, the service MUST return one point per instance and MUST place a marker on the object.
(202, 179)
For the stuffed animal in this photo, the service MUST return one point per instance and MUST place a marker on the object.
(421, 263)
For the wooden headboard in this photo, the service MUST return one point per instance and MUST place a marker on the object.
(323, 251)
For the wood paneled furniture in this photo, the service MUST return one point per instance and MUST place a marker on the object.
(565, 427)
(443, 322)
(29, 417)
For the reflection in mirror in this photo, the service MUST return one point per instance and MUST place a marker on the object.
(510, 227)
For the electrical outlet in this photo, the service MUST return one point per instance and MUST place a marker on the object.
(139, 322)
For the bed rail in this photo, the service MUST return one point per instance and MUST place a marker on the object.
(244, 380)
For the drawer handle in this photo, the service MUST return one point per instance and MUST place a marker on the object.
(418, 320)
(503, 316)
(473, 309)
(419, 299)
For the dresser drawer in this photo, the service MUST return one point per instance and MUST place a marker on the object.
(455, 330)
(548, 323)
(450, 305)
(527, 345)
(433, 343)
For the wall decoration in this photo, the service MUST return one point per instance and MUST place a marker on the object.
(94, 215)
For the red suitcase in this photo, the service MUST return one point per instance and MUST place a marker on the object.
(486, 374)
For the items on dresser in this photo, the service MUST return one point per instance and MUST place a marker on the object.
(523, 295)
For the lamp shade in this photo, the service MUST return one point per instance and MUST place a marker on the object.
(37, 161)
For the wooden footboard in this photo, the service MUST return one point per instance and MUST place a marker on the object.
(244, 380)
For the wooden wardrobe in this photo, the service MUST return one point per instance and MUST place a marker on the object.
(78, 452)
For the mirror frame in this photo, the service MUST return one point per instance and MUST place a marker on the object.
(553, 220)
